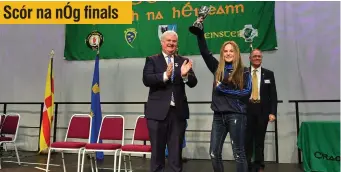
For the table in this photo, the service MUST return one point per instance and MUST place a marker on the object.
(319, 142)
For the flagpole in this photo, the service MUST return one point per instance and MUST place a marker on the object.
(94, 41)
(52, 89)
(251, 49)
(51, 57)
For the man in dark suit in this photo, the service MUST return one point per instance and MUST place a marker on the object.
(166, 75)
(262, 108)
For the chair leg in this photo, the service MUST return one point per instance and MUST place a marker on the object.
(95, 159)
(91, 163)
(48, 160)
(82, 167)
(64, 168)
(16, 152)
(131, 168)
(0, 154)
(115, 155)
(119, 162)
(79, 159)
(125, 163)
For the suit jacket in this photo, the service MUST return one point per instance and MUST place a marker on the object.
(268, 92)
(160, 92)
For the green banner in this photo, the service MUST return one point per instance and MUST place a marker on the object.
(226, 21)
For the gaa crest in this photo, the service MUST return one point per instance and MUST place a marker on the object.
(94, 40)
(130, 36)
(248, 33)
(163, 28)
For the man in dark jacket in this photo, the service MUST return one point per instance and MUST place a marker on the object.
(262, 108)
(166, 75)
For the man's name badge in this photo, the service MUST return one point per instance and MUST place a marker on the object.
(94, 40)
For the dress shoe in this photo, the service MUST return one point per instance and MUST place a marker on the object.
(184, 160)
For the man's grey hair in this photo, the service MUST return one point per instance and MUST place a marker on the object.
(168, 32)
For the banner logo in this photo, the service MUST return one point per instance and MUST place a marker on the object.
(130, 36)
(248, 33)
(94, 40)
(163, 28)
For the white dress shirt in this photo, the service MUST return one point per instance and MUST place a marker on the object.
(258, 73)
(165, 77)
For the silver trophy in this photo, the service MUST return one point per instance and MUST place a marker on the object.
(198, 26)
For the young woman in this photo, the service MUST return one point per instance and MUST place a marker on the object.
(231, 92)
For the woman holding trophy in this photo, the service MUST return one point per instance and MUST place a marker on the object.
(231, 91)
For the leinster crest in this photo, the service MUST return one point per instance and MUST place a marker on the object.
(94, 40)
(163, 28)
(248, 33)
(130, 36)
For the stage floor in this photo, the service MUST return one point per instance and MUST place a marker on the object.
(31, 162)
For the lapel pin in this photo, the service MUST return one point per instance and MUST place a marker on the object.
(176, 64)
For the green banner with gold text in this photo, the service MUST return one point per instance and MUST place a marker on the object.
(227, 20)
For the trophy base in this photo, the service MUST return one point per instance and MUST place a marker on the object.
(195, 30)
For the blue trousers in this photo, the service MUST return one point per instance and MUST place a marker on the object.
(183, 144)
(235, 125)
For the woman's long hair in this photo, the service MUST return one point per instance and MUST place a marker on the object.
(237, 76)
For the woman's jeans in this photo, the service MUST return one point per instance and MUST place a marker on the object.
(232, 123)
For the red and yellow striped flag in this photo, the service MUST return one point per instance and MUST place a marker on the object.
(45, 129)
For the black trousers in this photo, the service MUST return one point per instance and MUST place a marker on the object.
(168, 132)
(257, 123)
